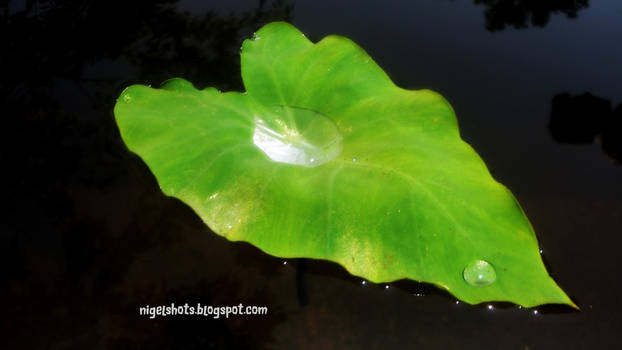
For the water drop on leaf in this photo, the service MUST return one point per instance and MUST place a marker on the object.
(297, 136)
(479, 273)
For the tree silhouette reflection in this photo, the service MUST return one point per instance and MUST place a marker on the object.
(612, 134)
(583, 119)
(522, 13)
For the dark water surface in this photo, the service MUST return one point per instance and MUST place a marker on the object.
(89, 238)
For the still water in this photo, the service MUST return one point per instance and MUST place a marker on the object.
(91, 238)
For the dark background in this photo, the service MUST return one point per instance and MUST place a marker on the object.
(88, 238)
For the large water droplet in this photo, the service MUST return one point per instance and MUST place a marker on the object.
(297, 136)
(479, 273)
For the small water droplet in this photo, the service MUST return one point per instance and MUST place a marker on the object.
(457, 302)
(540, 251)
(353, 160)
(535, 312)
(284, 262)
(490, 307)
(479, 273)
(127, 98)
(229, 226)
(148, 85)
(520, 307)
(312, 160)
(363, 283)
(386, 287)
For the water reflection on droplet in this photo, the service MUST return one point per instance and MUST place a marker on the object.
(479, 273)
(363, 283)
(490, 307)
(535, 312)
(386, 287)
(297, 136)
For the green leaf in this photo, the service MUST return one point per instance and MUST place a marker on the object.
(324, 157)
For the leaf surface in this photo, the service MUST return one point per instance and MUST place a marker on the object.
(324, 157)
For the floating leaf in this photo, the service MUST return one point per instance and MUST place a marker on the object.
(324, 157)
